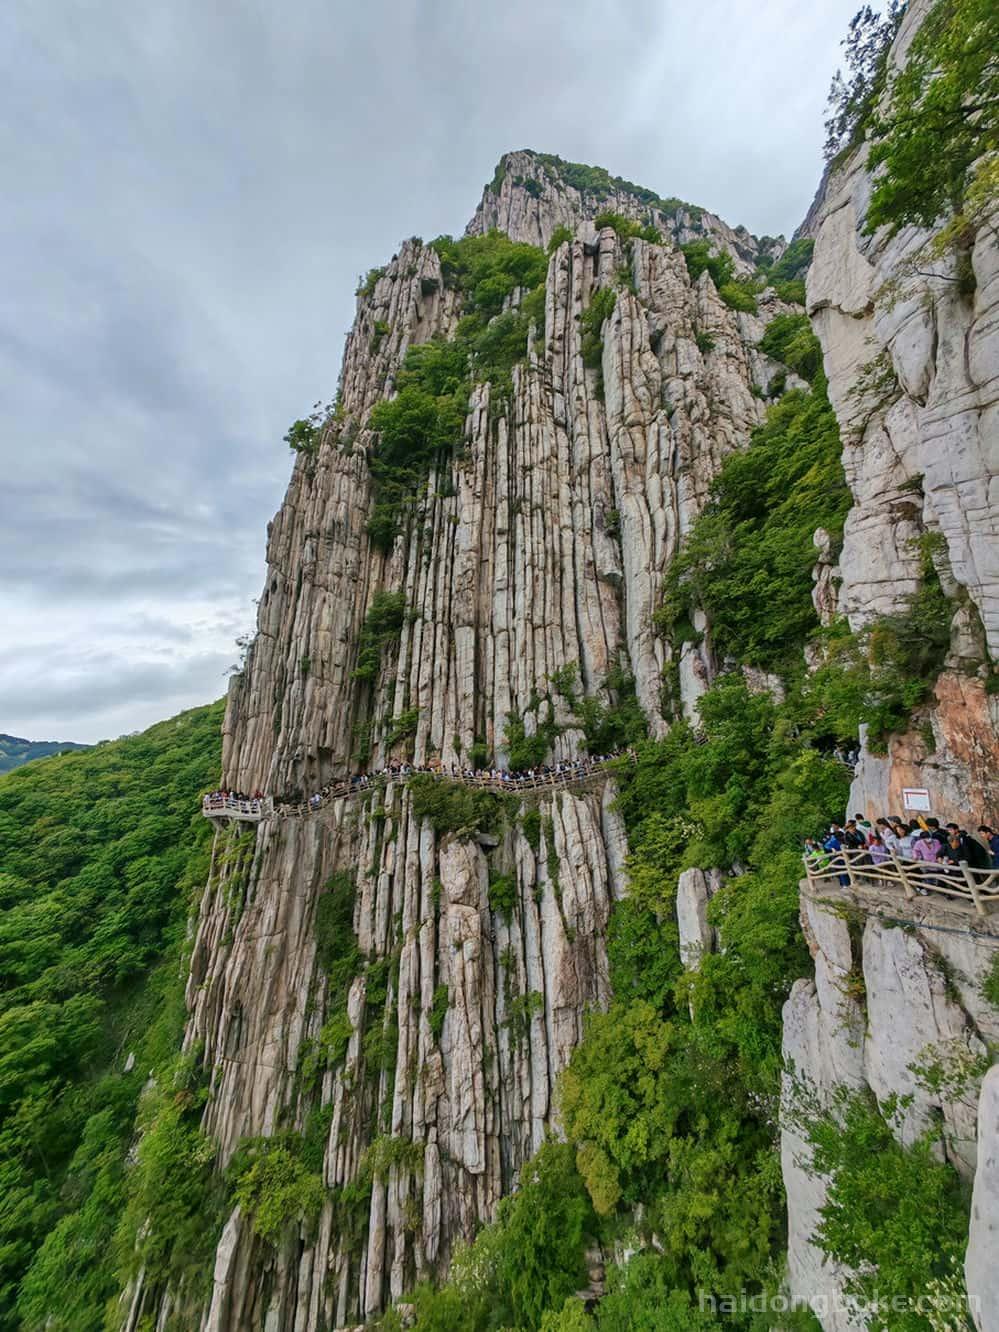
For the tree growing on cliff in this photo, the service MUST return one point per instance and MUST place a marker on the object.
(941, 121)
(933, 124)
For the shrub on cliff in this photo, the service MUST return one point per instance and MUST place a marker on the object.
(452, 807)
(748, 558)
(381, 628)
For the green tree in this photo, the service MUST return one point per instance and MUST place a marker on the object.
(104, 853)
(941, 122)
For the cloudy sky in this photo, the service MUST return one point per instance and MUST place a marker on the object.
(192, 188)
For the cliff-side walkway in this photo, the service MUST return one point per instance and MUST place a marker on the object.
(977, 888)
(575, 773)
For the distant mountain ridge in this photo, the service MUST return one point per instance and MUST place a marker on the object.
(14, 750)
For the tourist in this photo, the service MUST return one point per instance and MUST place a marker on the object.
(878, 851)
(990, 839)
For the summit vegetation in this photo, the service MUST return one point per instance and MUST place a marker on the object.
(421, 427)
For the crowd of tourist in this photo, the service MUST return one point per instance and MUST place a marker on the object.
(848, 755)
(218, 799)
(921, 842)
(498, 779)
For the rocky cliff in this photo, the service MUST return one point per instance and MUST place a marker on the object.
(913, 365)
(538, 550)
(912, 358)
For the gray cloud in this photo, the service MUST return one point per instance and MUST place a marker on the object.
(190, 193)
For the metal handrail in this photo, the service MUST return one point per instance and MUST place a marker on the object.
(915, 877)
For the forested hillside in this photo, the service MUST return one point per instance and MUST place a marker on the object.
(14, 751)
(102, 854)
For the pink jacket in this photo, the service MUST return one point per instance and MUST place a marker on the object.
(928, 849)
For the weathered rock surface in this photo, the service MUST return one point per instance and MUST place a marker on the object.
(912, 359)
(543, 546)
(693, 893)
(913, 369)
(980, 1269)
(887, 1006)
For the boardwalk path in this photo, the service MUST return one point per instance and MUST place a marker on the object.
(579, 773)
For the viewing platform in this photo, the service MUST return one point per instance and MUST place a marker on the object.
(974, 888)
(229, 807)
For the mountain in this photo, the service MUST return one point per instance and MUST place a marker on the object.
(15, 751)
(603, 476)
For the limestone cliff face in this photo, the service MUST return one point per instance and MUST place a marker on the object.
(542, 546)
(913, 367)
(886, 1002)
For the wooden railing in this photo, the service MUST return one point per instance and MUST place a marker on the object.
(976, 887)
(576, 773)
(228, 807)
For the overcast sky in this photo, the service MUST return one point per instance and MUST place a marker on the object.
(192, 188)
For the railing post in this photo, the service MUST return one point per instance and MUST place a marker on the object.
(906, 886)
(969, 879)
(848, 863)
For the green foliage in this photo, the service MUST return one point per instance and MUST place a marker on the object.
(564, 680)
(529, 1260)
(941, 121)
(748, 557)
(852, 101)
(628, 227)
(503, 895)
(366, 285)
(382, 628)
(174, 1213)
(794, 262)
(521, 1010)
(792, 291)
(530, 826)
(990, 983)
(438, 1011)
(336, 947)
(739, 294)
(421, 427)
(478, 755)
(544, 1227)
(488, 268)
(560, 235)
(599, 183)
(882, 673)
(454, 807)
(896, 1217)
(616, 724)
(591, 324)
(705, 343)
(528, 751)
(675, 1089)
(789, 338)
(104, 851)
(416, 429)
(380, 332)
(639, 1299)
(402, 727)
(14, 752)
(387, 1153)
(700, 258)
(274, 1187)
(303, 436)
